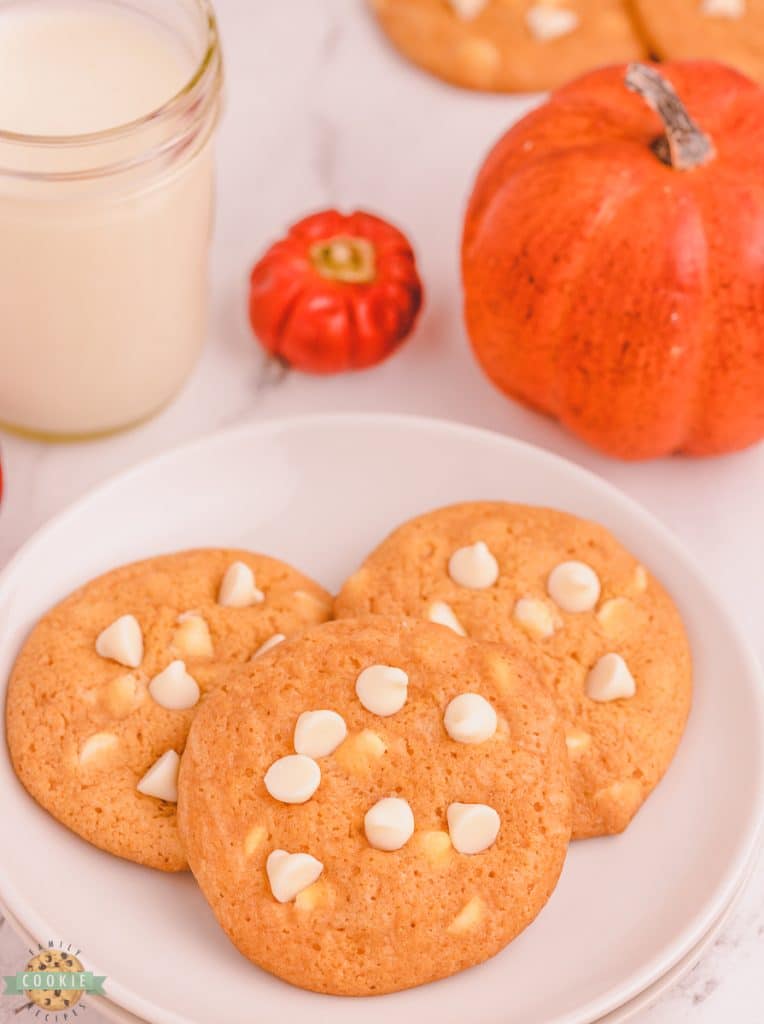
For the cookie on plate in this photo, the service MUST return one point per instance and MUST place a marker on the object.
(104, 690)
(376, 804)
(566, 595)
(510, 45)
(730, 31)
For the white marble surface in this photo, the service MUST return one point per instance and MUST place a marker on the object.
(321, 113)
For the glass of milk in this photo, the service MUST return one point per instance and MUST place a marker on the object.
(107, 112)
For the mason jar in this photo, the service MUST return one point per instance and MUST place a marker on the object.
(106, 202)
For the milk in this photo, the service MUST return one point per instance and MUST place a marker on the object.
(103, 243)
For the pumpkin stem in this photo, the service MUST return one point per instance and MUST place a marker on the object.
(344, 258)
(684, 145)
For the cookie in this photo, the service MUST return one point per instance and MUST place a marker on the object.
(376, 804)
(95, 737)
(510, 45)
(730, 31)
(54, 1000)
(602, 631)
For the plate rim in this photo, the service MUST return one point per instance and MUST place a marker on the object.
(747, 843)
(674, 975)
(619, 1015)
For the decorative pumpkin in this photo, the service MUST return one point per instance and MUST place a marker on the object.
(338, 293)
(613, 260)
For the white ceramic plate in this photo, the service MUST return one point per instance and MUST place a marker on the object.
(320, 492)
(680, 970)
(110, 1011)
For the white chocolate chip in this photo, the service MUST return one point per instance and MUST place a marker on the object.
(479, 58)
(536, 617)
(468, 917)
(576, 740)
(192, 637)
(610, 679)
(473, 827)
(319, 733)
(467, 9)
(238, 589)
(382, 689)
(254, 839)
(358, 753)
(574, 587)
(640, 579)
(617, 803)
(270, 643)
(96, 745)
(474, 567)
(161, 780)
(502, 673)
(625, 794)
(547, 23)
(290, 873)
(469, 718)
(436, 846)
(293, 779)
(122, 641)
(311, 603)
(389, 824)
(122, 695)
(613, 611)
(174, 688)
(732, 9)
(316, 895)
(443, 615)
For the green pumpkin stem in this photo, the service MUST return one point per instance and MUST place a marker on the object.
(684, 145)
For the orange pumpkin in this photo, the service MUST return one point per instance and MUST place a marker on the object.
(613, 260)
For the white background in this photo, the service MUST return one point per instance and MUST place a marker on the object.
(321, 113)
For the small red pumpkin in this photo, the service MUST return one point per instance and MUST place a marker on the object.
(340, 292)
(613, 260)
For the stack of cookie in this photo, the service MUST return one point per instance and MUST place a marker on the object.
(529, 45)
(373, 802)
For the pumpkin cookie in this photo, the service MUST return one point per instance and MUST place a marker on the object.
(567, 596)
(104, 690)
(730, 31)
(389, 807)
(510, 45)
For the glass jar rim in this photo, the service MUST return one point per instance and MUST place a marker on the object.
(129, 128)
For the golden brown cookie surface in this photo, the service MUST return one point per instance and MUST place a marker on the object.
(375, 920)
(83, 729)
(510, 45)
(620, 747)
(730, 31)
